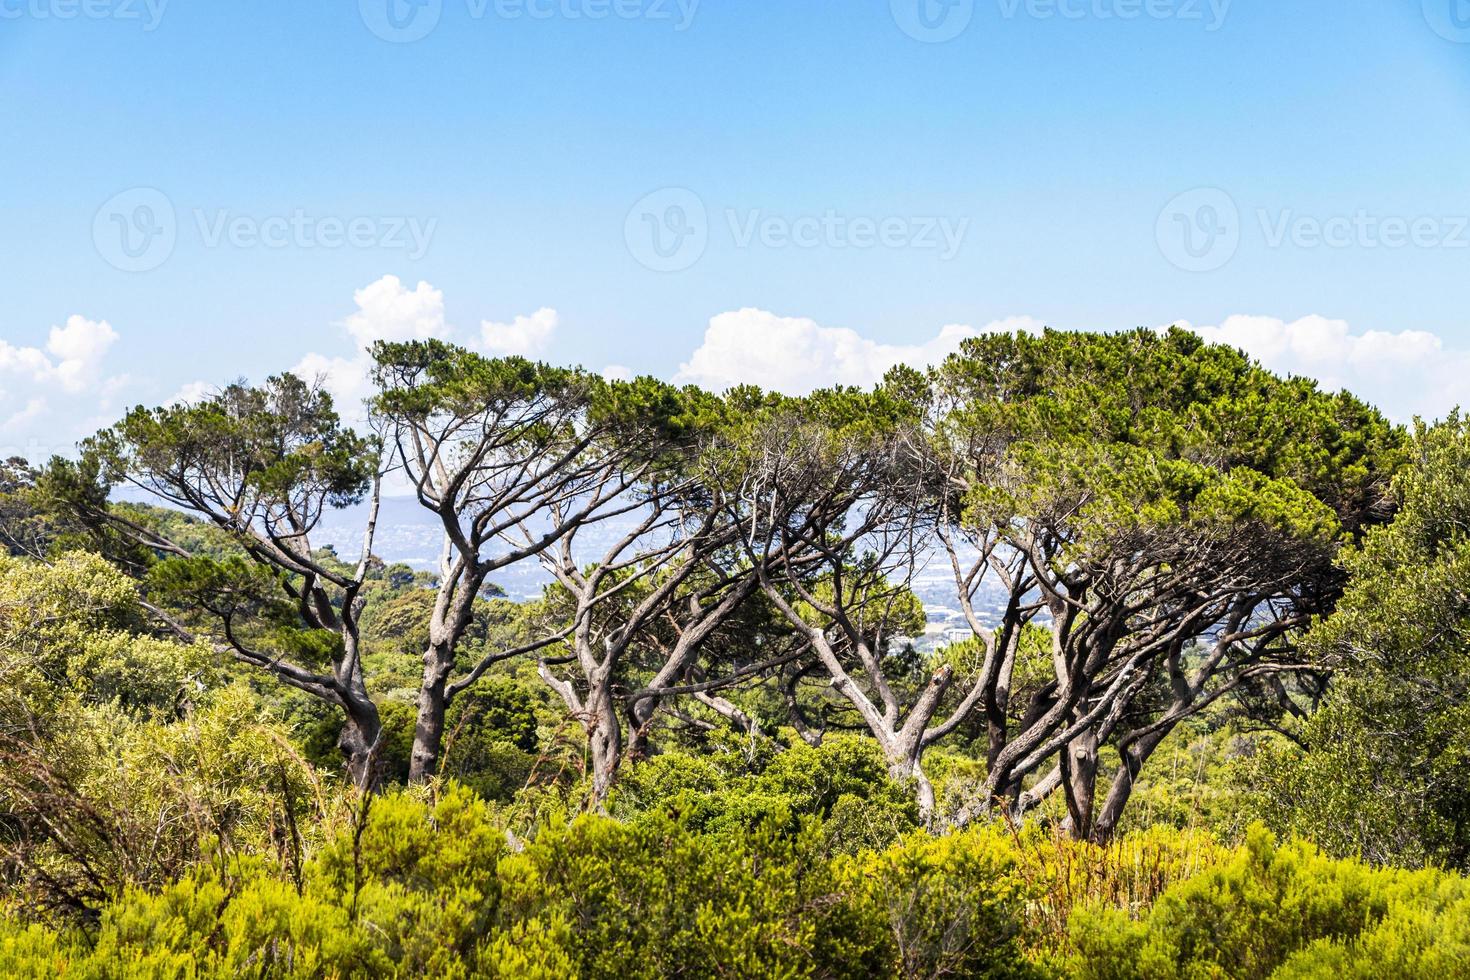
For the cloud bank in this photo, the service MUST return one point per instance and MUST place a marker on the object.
(1405, 374)
(389, 310)
(795, 355)
(51, 395)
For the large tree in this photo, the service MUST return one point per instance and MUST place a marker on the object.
(516, 460)
(489, 446)
(832, 517)
(23, 529)
(1166, 510)
(262, 465)
(655, 591)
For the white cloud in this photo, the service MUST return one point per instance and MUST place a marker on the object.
(1408, 373)
(617, 372)
(72, 358)
(33, 409)
(192, 393)
(80, 347)
(68, 372)
(526, 336)
(347, 379)
(1405, 373)
(388, 310)
(797, 355)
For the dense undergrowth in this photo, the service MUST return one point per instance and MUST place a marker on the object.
(437, 884)
(163, 820)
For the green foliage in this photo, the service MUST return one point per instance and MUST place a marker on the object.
(1385, 772)
(24, 529)
(97, 800)
(951, 906)
(278, 441)
(493, 737)
(1145, 429)
(843, 782)
(422, 885)
(76, 626)
(160, 816)
(32, 952)
(650, 900)
(1278, 911)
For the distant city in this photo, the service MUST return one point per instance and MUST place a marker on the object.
(407, 533)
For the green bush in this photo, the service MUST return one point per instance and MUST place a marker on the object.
(1281, 911)
(650, 899)
(935, 907)
(844, 783)
(419, 884)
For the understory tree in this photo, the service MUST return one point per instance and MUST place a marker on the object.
(830, 487)
(1386, 770)
(262, 466)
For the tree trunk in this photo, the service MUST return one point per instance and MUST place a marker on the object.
(731, 712)
(1079, 782)
(428, 732)
(359, 741)
(905, 765)
(923, 789)
(605, 745)
(1135, 754)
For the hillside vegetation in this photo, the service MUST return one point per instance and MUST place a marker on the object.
(1204, 714)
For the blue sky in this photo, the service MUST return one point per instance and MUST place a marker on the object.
(840, 191)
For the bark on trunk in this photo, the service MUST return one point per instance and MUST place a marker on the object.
(912, 772)
(605, 745)
(428, 733)
(1134, 756)
(905, 752)
(1079, 782)
(359, 742)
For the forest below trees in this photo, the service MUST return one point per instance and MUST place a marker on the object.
(1207, 716)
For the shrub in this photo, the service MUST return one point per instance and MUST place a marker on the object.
(1270, 907)
(935, 907)
(844, 783)
(651, 899)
